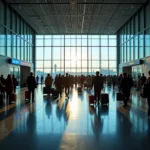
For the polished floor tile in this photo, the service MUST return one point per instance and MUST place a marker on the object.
(73, 124)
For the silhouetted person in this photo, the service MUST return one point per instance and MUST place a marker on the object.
(58, 84)
(48, 83)
(143, 79)
(15, 82)
(119, 79)
(2, 85)
(125, 87)
(148, 97)
(41, 79)
(98, 86)
(37, 79)
(9, 88)
(31, 82)
(67, 84)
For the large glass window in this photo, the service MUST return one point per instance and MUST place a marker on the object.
(76, 54)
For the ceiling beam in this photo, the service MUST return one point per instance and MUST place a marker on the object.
(78, 3)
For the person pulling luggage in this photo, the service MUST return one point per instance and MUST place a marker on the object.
(31, 82)
(98, 86)
(125, 87)
(48, 83)
(9, 88)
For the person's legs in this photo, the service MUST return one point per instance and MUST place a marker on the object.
(29, 94)
(124, 99)
(98, 94)
(148, 100)
(32, 95)
(14, 89)
(95, 93)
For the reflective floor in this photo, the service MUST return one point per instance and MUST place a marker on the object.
(72, 124)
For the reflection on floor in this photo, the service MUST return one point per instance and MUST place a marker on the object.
(73, 124)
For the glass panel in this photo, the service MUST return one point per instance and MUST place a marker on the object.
(56, 53)
(48, 42)
(47, 64)
(47, 53)
(84, 53)
(39, 64)
(112, 53)
(39, 42)
(104, 64)
(95, 53)
(39, 53)
(104, 53)
(95, 64)
(112, 64)
(77, 55)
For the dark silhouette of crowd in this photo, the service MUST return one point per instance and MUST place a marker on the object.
(8, 87)
(122, 83)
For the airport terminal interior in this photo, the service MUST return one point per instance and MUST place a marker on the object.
(78, 37)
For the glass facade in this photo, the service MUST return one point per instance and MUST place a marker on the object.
(135, 36)
(76, 54)
(16, 36)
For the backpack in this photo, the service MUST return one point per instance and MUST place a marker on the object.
(145, 90)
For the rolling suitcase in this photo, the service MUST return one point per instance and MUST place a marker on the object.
(27, 95)
(13, 97)
(79, 90)
(104, 98)
(91, 99)
(119, 96)
(45, 90)
(55, 94)
(85, 85)
(1, 100)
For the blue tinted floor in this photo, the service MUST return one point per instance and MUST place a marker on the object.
(72, 124)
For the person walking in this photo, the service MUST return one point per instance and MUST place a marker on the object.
(2, 85)
(15, 82)
(37, 79)
(41, 79)
(143, 79)
(98, 86)
(9, 88)
(31, 82)
(58, 84)
(148, 93)
(48, 83)
(125, 87)
(67, 85)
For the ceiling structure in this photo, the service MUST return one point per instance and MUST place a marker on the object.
(76, 16)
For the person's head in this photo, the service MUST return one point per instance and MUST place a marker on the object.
(2, 76)
(13, 76)
(142, 74)
(149, 73)
(66, 74)
(31, 73)
(97, 73)
(48, 74)
(124, 75)
(9, 76)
